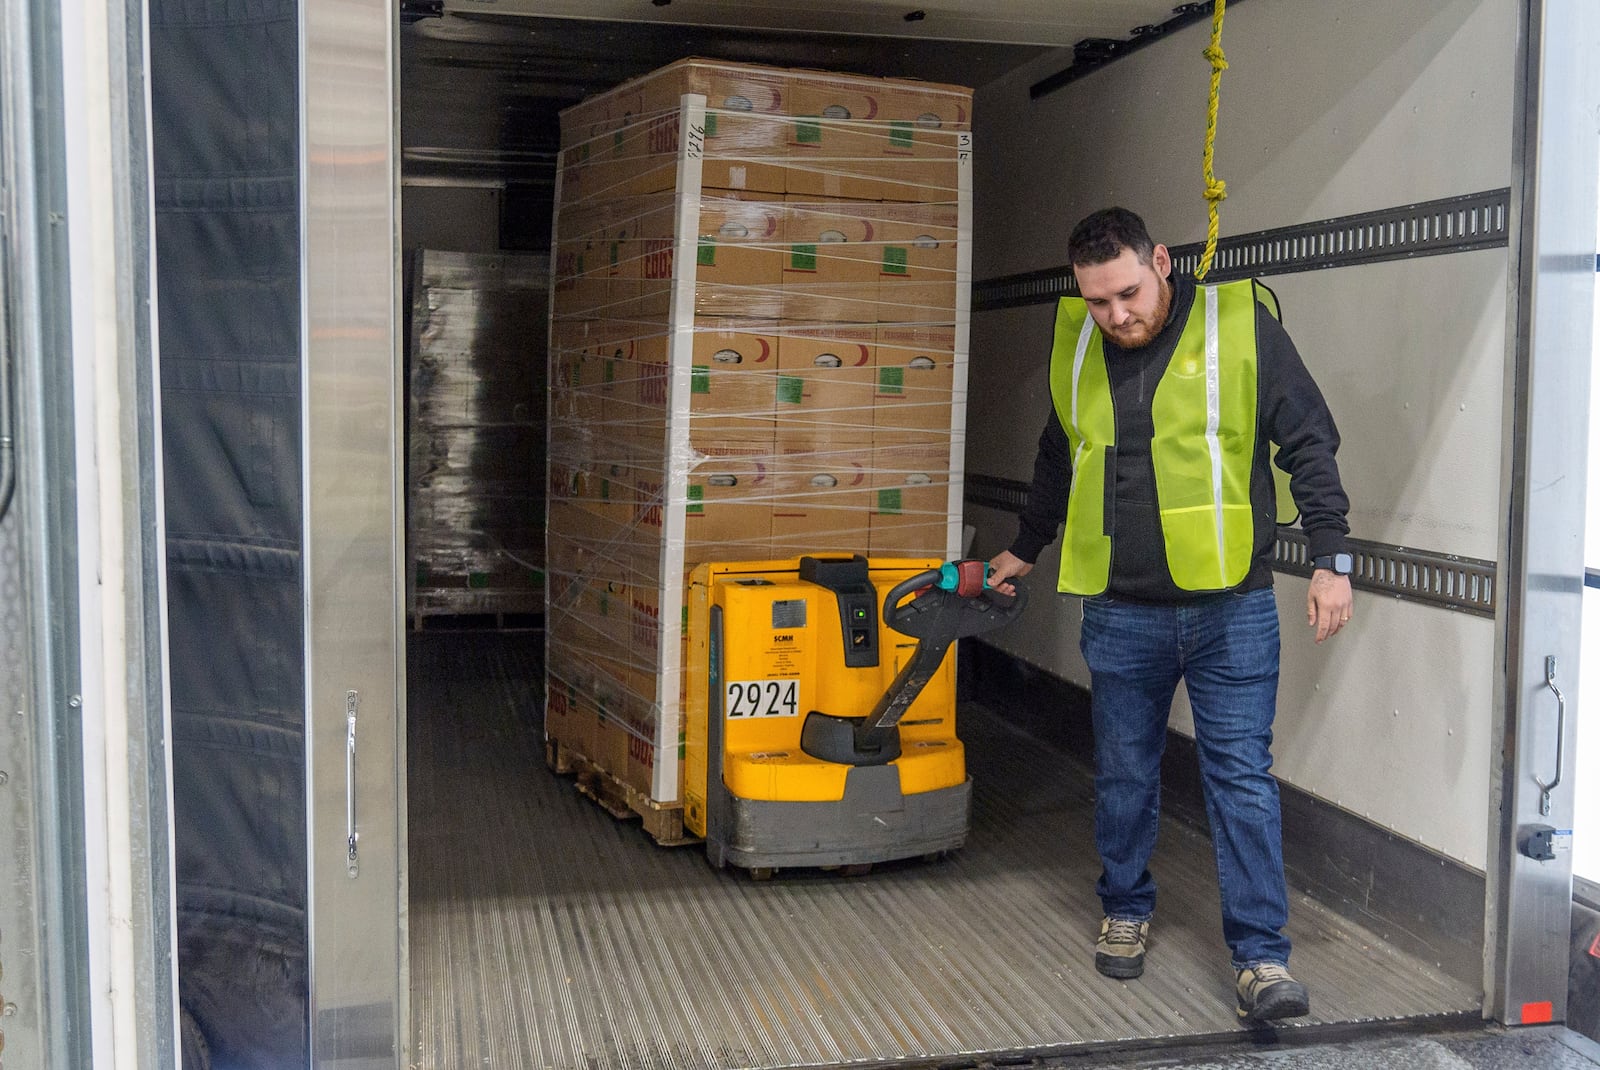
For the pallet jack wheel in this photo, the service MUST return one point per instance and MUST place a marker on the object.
(761, 873)
(857, 869)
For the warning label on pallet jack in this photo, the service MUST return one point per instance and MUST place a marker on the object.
(788, 613)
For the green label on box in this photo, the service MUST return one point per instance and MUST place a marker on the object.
(614, 253)
(605, 490)
(707, 256)
(894, 259)
(802, 258)
(790, 388)
(711, 124)
(891, 380)
(697, 495)
(889, 501)
(610, 372)
(901, 134)
(477, 580)
(808, 132)
(699, 379)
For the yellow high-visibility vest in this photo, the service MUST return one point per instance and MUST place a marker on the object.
(1203, 449)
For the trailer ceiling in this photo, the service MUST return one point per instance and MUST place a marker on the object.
(482, 81)
(1025, 22)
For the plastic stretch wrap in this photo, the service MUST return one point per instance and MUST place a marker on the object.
(758, 351)
(475, 528)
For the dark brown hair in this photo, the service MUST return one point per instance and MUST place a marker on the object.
(1101, 236)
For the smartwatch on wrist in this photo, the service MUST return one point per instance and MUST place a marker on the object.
(1341, 564)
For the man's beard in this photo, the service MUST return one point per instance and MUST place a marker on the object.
(1141, 333)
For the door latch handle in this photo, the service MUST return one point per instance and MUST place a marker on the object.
(1561, 731)
(351, 703)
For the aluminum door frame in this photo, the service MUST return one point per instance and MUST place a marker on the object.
(43, 950)
(1556, 179)
(79, 293)
(354, 636)
(91, 939)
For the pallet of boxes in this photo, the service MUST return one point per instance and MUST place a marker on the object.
(476, 432)
(757, 351)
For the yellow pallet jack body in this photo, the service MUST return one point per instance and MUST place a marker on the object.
(818, 733)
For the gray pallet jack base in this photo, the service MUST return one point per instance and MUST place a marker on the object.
(873, 823)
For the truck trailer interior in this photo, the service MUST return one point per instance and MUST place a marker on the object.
(375, 864)
(541, 932)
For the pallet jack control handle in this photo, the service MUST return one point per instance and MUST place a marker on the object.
(951, 602)
(960, 604)
(937, 617)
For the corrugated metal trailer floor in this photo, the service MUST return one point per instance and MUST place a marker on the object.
(544, 933)
(1479, 1047)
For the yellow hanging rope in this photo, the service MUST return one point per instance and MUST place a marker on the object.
(1216, 189)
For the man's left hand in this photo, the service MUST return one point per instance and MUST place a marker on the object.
(1328, 603)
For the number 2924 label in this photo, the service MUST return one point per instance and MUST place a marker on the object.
(761, 698)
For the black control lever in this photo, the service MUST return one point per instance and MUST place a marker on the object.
(937, 616)
(950, 603)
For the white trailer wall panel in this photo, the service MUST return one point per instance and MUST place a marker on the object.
(1326, 110)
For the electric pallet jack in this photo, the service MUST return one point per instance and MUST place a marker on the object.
(820, 727)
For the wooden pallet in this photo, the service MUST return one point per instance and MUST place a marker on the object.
(662, 822)
(497, 620)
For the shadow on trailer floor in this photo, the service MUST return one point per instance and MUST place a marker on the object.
(544, 933)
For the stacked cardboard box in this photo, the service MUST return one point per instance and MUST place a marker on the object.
(758, 343)
(475, 509)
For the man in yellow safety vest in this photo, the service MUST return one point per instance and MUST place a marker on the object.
(1168, 398)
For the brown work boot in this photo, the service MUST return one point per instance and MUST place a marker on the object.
(1267, 992)
(1119, 952)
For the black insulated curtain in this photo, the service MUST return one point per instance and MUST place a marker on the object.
(225, 114)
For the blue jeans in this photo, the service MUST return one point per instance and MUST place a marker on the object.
(1225, 649)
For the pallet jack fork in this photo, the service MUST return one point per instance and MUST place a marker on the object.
(826, 786)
